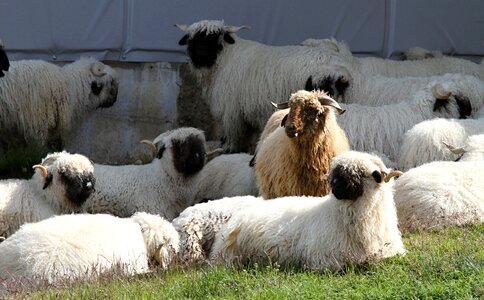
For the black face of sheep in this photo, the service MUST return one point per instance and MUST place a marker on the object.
(347, 182)
(78, 187)
(333, 87)
(189, 155)
(108, 91)
(4, 62)
(463, 104)
(203, 48)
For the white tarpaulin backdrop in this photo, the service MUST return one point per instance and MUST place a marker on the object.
(142, 30)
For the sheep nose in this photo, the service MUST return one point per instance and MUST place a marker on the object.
(291, 131)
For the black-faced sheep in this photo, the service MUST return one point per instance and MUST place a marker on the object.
(39, 101)
(294, 159)
(438, 194)
(357, 223)
(4, 62)
(244, 76)
(165, 186)
(72, 247)
(198, 224)
(424, 142)
(61, 184)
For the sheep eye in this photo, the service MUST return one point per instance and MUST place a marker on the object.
(96, 88)
(377, 176)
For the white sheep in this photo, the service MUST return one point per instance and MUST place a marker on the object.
(227, 175)
(472, 150)
(165, 186)
(424, 142)
(61, 184)
(40, 101)
(4, 62)
(395, 68)
(417, 53)
(243, 76)
(294, 160)
(382, 128)
(82, 246)
(355, 224)
(198, 224)
(438, 194)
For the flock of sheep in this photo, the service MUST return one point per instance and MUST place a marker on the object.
(320, 188)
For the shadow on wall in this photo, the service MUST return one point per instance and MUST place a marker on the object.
(152, 98)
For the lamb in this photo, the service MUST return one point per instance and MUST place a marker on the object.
(72, 247)
(439, 194)
(294, 160)
(198, 224)
(39, 101)
(165, 186)
(227, 175)
(357, 223)
(243, 76)
(61, 184)
(382, 128)
(4, 62)
(424, 142)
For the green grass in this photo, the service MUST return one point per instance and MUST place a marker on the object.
(439, 265)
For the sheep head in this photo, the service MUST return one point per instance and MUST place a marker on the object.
(205, 40)
(308, 112)
(443, 95)
(66, 178)
(355, 173)
(335, 82)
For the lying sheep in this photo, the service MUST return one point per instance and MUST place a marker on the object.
(70, 247)
(424, 142)
(61, 184)
(40, 101)
(472, 150)
(227, 175)
(382, 128)
(4, 62)
(294, 160)
(243, 76)
(355, 224)
(439, 194)
(198, 224)
(165, 186)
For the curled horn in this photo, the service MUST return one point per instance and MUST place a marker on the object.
(97, 69)
(453, 149)
(43, 170)
(150, 144)
(392, 174)
(325, 100)
(280, 105)
(182, 27)
(214, 153)
(440, 93)
(233, 29)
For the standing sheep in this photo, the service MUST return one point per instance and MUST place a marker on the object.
(165, 186)
(424, 142)
(69, 247)
(227, 175)
(294, 160)
(39, 101)
(4, 63)
(244, 76)
(438, 194)
(355, 224)
(62, 183)
(198, 224)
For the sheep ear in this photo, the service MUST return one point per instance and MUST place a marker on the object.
(183, 40)
(283, 121)
(159, 155)
(48, 181)
(309, 84)
(228, 38)
(252, 161)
